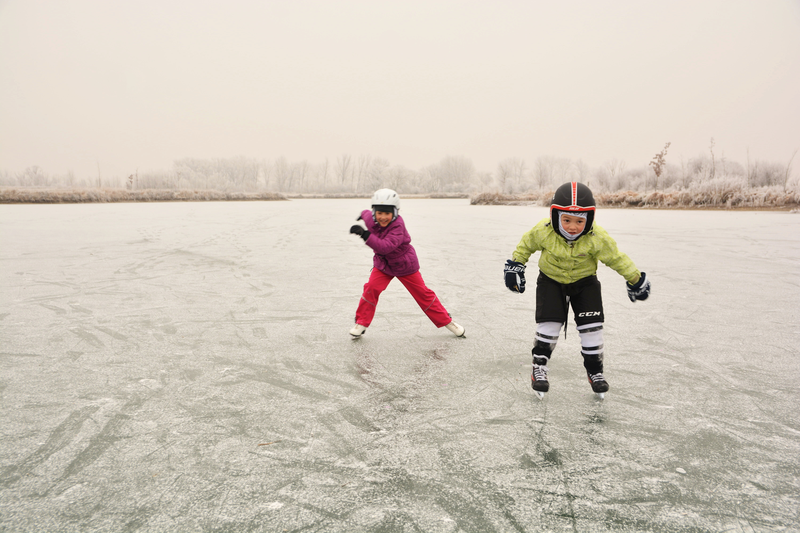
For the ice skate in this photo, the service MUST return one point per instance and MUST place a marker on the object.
(357, 331)
(599, 384)
(539, 377)
(457, 330)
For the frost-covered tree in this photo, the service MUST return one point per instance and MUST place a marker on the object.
(581, 170)
(33, 176)
(344, 169)
(511, 174)
(543, 171)
(451, 173)
(503, 177)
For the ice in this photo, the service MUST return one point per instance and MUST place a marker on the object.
(188, 367)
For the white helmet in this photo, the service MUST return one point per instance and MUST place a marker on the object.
(388, 200)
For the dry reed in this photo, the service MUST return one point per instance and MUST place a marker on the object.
(76, 196)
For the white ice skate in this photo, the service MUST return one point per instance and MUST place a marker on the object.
(457, 330)
(357, 331)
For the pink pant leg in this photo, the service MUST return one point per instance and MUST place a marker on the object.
(378, 281)
(426, 299)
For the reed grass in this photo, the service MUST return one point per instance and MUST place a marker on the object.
(721, 195)
(12, 195)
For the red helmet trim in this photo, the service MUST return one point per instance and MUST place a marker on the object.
(574, 201)
(572, 208)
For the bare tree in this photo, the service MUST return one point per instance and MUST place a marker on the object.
(302, 174)
(266, 173)
(344, 169)
(788, 171)
(361, 171)
(658, 163)
(713, 161)
(322, 174)
(516, 170)
(581, 170)
(503, 175)
(615, 168)
(376, 174)
(397, 176)
(283, 175)
(34, 177)
(752, 170)
(484, 180)
(543, 171)
(450, 172)
(243, 171)
(602, 180)
(684, 174)
(561, 168)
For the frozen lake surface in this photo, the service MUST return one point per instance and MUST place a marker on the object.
(187, 367)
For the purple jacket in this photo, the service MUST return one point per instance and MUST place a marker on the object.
(394, 254)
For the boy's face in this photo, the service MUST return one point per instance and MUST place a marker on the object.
(383, 218)
(572, 224)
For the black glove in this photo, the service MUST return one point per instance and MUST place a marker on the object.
(640, 290)
(515, 276)
(361, 232)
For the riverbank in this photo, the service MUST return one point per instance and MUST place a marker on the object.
(766, 198)
(724, 199)
(81, 196)
(20, 195)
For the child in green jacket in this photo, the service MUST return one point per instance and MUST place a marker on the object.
(571, 245)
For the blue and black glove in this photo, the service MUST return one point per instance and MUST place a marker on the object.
(639, 290)
(361, 232)
(515, 276)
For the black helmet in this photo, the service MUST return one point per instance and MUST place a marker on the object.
(573, 197)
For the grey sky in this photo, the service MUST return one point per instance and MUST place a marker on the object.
(137, 84)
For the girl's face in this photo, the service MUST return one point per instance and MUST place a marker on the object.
(572, 224)
(383, 218)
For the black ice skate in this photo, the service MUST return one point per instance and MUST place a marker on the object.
(599, 384)
(539, 376)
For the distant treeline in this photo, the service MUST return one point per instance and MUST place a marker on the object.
(14, 195)
(703, 180)
(719, 194)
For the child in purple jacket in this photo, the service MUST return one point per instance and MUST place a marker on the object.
(394, 257)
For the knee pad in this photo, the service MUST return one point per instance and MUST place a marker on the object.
(546, 339)
(591, 344)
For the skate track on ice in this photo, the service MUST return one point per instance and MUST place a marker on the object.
(187, 367)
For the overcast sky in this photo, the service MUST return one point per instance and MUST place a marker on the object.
(120, 85)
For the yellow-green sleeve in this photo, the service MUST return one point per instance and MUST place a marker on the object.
(610, 255)
(527, 246)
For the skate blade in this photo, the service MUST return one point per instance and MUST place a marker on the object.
(540, 394)
(600, 395)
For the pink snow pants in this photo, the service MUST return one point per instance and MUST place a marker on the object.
(425, 298)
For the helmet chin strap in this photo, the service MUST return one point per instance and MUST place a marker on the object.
(564, 232)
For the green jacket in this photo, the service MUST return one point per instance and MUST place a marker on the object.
(568, 262)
